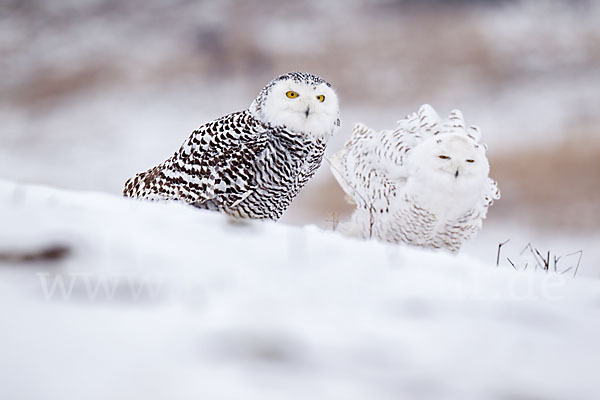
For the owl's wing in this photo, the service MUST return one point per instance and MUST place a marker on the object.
(492, 193)
(359, 168)
(412, 130)
(350, 165)
(214, 163)
(396, 145)
(479, 213)
(426, 123)
(370, 154)
(344, 163)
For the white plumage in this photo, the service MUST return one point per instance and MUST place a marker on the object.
(424, 183)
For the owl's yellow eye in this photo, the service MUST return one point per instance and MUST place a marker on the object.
(470, 161)
(443, 157)
(321, 98)
(291, 94)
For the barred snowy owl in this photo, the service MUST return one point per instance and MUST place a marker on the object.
(424, 183)
(251, 163)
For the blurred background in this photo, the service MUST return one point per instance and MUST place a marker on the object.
(94, 91)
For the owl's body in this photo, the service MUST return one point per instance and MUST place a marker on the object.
(250, 164)
(424, 183)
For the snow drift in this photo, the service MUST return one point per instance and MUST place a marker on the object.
(104, 297)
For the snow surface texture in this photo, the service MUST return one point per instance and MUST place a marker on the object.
(197, 307)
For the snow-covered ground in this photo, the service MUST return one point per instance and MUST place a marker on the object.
(196, 307)
(147, 300)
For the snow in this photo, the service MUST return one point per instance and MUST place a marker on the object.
(196, 306)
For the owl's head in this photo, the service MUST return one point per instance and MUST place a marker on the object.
(452, 160)
(301, 102)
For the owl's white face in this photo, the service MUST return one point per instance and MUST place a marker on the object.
(453, 161)
(303, 106)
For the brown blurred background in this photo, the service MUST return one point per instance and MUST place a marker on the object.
(94, 91)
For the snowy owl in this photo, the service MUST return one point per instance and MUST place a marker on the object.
(424, 183)
(252, 163)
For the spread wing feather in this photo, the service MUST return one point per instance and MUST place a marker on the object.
(382, 155)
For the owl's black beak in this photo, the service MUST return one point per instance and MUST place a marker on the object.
(307, 111)
(456, 174)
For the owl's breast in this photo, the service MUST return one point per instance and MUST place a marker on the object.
(279, 172)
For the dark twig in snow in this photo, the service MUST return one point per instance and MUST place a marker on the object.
(566, 270)
(511, 263)
(528, 246)
(499, 248)
(535, 256)
(544, 260)
(556, 259)
(580, 252)
(335, 221)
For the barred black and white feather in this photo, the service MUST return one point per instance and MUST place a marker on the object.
(252, 163)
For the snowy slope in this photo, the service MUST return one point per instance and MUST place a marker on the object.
(195, 307)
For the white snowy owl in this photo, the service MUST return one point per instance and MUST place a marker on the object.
(424, 183)
(252, 163)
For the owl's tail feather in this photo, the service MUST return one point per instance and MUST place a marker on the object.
(130, 189)
(142, 185)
